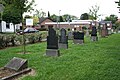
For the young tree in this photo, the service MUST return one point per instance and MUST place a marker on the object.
(39, 13)
(93, 12)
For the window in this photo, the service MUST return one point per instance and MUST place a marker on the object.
(7, 26)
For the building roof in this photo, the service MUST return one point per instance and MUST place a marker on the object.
(43, 19)
(72, 23)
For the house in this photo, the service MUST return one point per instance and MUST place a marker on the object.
(42, 22)
(8, 27)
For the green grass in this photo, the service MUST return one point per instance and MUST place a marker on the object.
(91, 61)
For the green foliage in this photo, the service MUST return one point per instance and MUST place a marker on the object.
(39, 13)
(54, 17)
(67, 18)
(84, 16)
(93, 12)
(112, 18)
(15, 8)
(13, 39)
(61, 19)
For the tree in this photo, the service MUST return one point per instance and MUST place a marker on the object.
(39, 13)
(61, 19)
(14, 10)
(93, 12)
(48, 14)
(67, 18)
(54, 17)
(84, 16)
(112, 18)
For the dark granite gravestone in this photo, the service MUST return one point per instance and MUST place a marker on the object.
(63, 39)
(17, 64)
(94, 34)
(52, 43)
(78, 37)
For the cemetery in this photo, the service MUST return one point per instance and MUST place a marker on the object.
(57, 47)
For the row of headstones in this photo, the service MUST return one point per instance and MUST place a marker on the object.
(53, 44)
(18, 64)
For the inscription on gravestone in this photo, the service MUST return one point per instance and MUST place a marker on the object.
(78, 37)
(52, 43)
(52, 39)
(63, 37)
(94, 34)
(94, 31)
(63, 40)
(17, 64)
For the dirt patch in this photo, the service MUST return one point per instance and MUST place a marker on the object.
(23, 53)
(5, 72)
(32, 73)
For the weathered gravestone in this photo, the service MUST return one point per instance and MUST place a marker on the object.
(63, 39)
(17, 64)
(14, 68)
(78, 37)
(94, 34)
(70, 34)
(103, 30)
(52, 43)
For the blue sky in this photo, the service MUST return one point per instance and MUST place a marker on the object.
(77, 7)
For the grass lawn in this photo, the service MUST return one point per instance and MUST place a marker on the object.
(91, 61)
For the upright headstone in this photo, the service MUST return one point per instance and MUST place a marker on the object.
(78, 37)
(70, 34)
(17, 64)
(52, 43)
(103, 30)
(63, 39)
(87, 32)
(94, 34)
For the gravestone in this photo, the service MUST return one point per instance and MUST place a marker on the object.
(52, 43)
(78, 37)
(94, 34)
(17, 64)
(103, 31)
(87, 32)
(70, 34)
(63, 39)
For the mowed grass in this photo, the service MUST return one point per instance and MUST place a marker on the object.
(91, 61)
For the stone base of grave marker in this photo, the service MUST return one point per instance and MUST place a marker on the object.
(63, 46)
(76, 41)
(94, 38)
(52, 52)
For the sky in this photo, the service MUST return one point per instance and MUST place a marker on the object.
(77, 7)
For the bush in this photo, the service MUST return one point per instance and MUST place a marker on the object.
(14, 39)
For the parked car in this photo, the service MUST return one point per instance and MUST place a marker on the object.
(28, 30)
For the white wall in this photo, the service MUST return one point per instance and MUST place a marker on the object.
(11, 29)
(3, 24)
